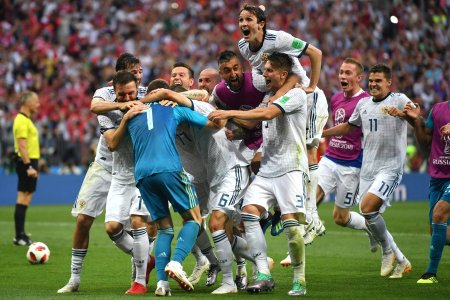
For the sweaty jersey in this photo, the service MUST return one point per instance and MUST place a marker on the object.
(276, 41)
(439, 161)
(384, 136)
(217, 153)
(153, 137)
(284, 142)
(345, 150)
(247, 98)
(103, 156)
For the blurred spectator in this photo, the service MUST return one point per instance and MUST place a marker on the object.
(64, 50)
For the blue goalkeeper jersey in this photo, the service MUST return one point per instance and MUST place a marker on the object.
(153, 137)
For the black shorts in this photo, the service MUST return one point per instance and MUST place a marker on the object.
(26, 183)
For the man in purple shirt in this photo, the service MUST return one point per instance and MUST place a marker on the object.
(340, 167)
(436, 131)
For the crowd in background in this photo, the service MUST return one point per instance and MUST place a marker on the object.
(64, 50)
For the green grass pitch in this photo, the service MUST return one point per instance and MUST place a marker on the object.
(339, 265)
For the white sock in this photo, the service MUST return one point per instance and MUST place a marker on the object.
(311, 206)
(256, 241)
(151, 243)
(205, 246)
(357, 221)
(296, 246)
(225, 255)
(241, 249)
(377, 227)
(398, 253)
(123, 241)
(199, 257)
(77, 263)
(140, 253)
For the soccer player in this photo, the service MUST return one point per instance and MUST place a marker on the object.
(91, 199)
(435, 133)
(205, 259)
(340, 167)
(257, 43)
(26, 147)
(383, 160)
(182, 74)
(281, 177)
(123, 200)
(208, 79)
(160, 178)
(227, 176)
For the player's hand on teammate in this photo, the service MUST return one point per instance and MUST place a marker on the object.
(124, 106)
(135, 110)
(236, 134)
(219, 115)
(168, 103)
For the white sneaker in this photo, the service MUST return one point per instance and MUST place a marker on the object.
(70, 287)
(401, 268)
(175, 271)
(162, 289)
(373, 242)
(200, 268)
(387, 263)
(225, 288)
(286, 262)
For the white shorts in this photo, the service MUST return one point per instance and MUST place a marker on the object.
(91, 199)
(317, 107)
(226, 195)
(341, 180)
(288, 191)
(124, 200)
(383, 185)
(202, 190)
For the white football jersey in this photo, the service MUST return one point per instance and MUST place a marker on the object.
(384, 141)
(284, 137)
(276, 41)
(123, 158)
(218, 154)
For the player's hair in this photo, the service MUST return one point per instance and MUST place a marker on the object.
(124, 77)
(257, 11)
(184, 65)
(281, 61)
(126, 61)
(25, 96)
(226, 56)
(382, 68)
(157, 84)
(356, 63)
(178, 88)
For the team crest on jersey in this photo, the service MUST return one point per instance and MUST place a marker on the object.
(265, 56)
(81, 204)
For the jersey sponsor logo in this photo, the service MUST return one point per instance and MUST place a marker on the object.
(298, 44)
(284, 99)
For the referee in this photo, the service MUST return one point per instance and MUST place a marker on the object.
(26, 147)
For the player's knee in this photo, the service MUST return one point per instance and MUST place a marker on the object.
(113, 228)
(84, 222)
(216, 223)
(340, 218)
(138, 222)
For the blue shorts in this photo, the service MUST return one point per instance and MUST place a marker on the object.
(158, 189)
(439, 190)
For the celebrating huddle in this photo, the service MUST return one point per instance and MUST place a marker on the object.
(232, 156)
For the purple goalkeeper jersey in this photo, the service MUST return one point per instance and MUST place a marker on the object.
(348, 147)
(439, 163)
(247, 98)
